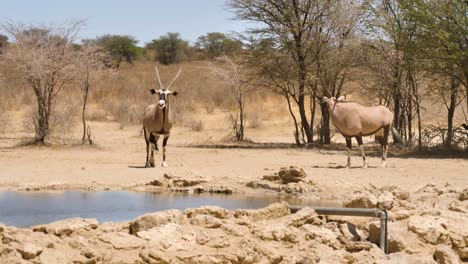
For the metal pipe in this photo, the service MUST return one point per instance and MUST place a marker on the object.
(363, 212)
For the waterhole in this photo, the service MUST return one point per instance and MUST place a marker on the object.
(25, 209)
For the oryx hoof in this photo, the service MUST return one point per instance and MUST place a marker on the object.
(364, 166)
(152, 165)
(147, 165)
(384, 164)
(164, 164)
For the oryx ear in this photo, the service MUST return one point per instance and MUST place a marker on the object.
(341, 98)
(175, 93)
(153, 91)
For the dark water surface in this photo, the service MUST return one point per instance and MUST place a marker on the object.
(24, 209)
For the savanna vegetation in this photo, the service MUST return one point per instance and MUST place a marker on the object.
(405, 54)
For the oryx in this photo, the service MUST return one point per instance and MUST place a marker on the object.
(355, 120)
(157, 120)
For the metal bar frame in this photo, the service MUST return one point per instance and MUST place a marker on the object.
(361, 212)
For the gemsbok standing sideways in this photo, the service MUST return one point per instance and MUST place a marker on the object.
(157, 121)
(355, 120)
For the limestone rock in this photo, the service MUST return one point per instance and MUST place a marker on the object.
(398, 239)
(265, 185)
(154, 256)
(430, 228)
(151, 220)
(164, 236)
(30, 250)
(274, 177)
(445, 255)
(207, 221)
(463, 196)
(292, 174)
(272, 211)
(322, 235)
(386, 200)
(66, 227)
(53, 256)
(186, 182)
(304, 216)
(122, 240)
(277, 232)
(362, 200)
(215, 211)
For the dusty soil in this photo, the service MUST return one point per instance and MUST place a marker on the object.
(115, 162)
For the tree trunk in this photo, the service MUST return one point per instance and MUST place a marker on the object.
(418, 110)
(312, 113)
(325, 131)
(451, 111)
(83, 114)
(409, 114)
(296, 127)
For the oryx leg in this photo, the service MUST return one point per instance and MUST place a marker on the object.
(147, 140)
(384, 145)
(361, 147)
(154, 145)
(166, 137)
(348, 145)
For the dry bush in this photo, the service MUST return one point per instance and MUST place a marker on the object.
(125, 94)
(63, 119)
(254, 120)
(197, 125)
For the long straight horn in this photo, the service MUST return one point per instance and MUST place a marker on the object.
(159, 78)
(173, 80)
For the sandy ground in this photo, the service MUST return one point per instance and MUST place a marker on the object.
(115, 161)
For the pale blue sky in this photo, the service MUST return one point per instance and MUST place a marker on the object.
(143, 19)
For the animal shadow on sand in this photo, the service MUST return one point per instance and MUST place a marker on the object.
(138, 167)
(336, 167)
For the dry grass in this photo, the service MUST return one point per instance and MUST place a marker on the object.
(197, 126)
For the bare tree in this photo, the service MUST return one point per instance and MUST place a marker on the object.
(88, 65)
(236, 77)
(43, 57)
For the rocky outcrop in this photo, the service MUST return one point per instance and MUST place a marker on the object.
(149, 221)
(66, 227)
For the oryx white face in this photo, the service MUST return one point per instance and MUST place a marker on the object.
(163, 96)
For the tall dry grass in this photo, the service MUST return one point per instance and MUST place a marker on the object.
(125, 94)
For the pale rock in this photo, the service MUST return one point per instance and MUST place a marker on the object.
(322, 235)
(29, 250)
(351, 232)
(291, 174)
(164, 236)
(386, 200)
(154, 256)
(402, 214)
(276, 232)
(398, 239)
(122, 240)
(215, 211)
(306, 215)
(463, 253)
(207, 221)
(463, 196)
(401, 258)
(445, 255)
(274, 177)
(272, 211)
(53, 256)
(362, 200)
(430, 228)
(151, 220)
(186, 182)
(66, 227)
(265, 185)
(235, 230)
